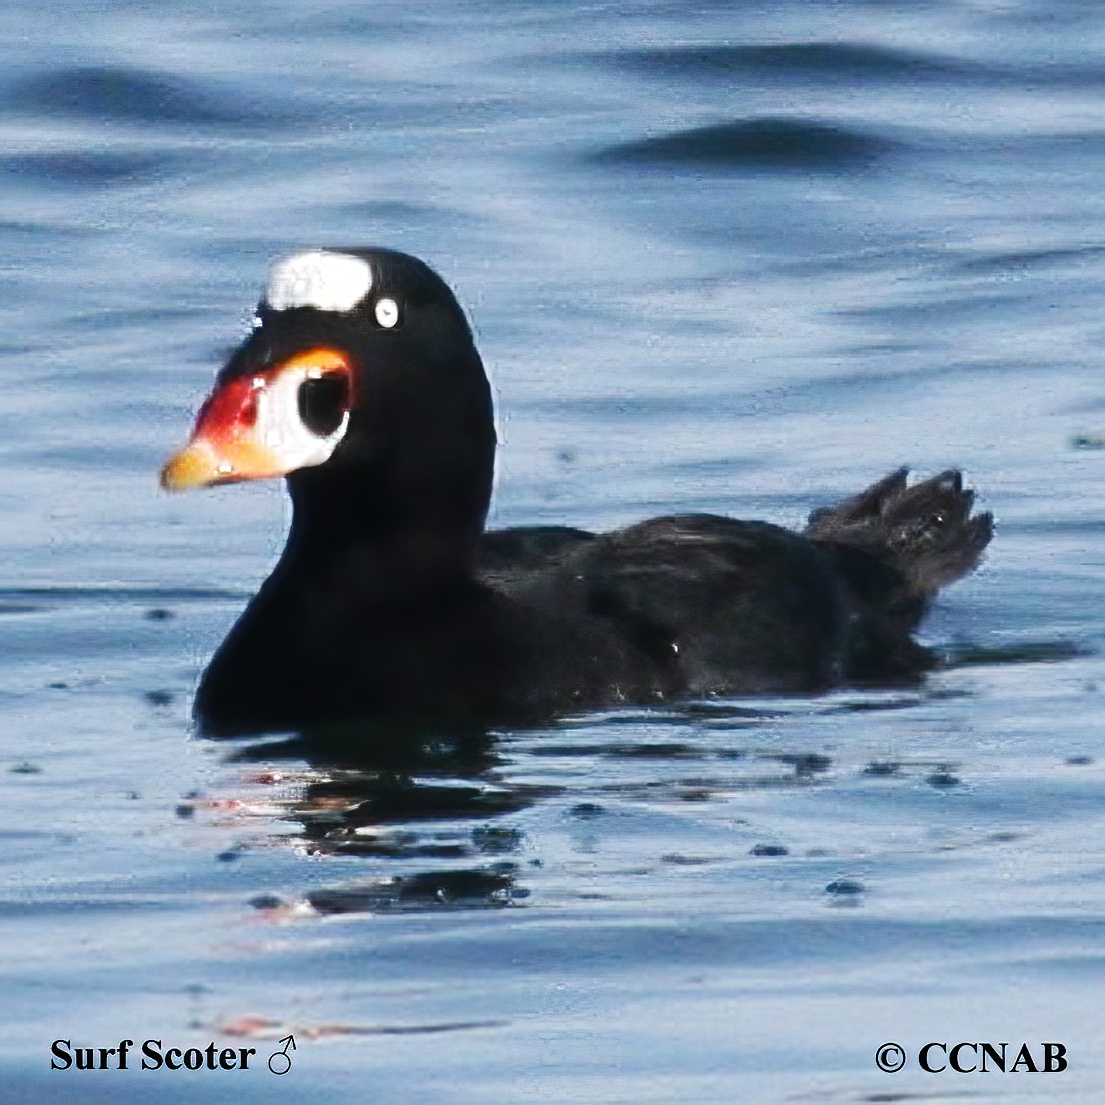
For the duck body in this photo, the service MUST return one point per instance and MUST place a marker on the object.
(391, 602)
(672, 607)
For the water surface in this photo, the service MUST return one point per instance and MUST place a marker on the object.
(742, 258)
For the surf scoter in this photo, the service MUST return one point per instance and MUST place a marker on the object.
(361, 385)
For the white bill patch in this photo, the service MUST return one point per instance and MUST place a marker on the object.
(318, 278)
(279, 428)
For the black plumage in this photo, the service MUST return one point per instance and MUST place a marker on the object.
(390, 601)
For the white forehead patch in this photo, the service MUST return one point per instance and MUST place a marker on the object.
(328, 281)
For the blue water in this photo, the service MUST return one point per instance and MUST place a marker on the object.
(742, 258)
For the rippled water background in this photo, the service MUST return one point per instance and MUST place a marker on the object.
(733, 257)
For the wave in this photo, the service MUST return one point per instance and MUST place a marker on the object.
(121, 94)
(832, 60)
(768, 142)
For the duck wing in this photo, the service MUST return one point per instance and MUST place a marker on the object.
(697, 604)
(689, 604)
(507, 554)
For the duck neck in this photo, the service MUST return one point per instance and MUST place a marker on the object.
(380, 542)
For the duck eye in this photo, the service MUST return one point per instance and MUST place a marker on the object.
(387, 312)
(323, 401)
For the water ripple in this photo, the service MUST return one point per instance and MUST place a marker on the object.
(767, 143)
(130, 95)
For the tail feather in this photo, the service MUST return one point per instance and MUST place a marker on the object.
(893, 547)
(924, 530)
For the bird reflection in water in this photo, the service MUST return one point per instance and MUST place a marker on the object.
(381, 792)
(482, 819)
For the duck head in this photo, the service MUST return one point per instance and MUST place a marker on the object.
(361, 385)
